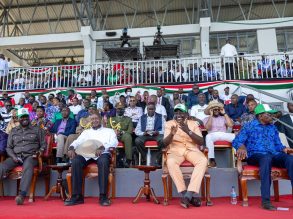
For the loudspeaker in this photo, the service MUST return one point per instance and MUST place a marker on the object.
(111, 33)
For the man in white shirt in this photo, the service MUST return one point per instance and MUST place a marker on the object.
(160, 109)
(197, 110)
(229, 57)
(102, 156)
(226, 97)
(134, 112)
(150, 127)
(75, 107)
(4, 70)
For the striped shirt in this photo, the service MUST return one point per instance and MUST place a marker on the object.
(6, 117)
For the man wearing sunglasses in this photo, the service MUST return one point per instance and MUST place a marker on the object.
(259, 142)
(24, 141)
(216, 124)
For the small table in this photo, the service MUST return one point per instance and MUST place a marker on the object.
(146, 189)
(58, 188)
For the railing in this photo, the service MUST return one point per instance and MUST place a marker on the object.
(189, 70)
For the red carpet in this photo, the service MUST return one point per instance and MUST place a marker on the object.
(123, 208)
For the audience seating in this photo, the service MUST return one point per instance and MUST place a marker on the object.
(250, 172)
(16, 174)
(223, 145)
(150, 145)
(91, 171)
(187, 169)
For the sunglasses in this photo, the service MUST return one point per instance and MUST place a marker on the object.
(216, 109)
(131, 100)
(8, 105)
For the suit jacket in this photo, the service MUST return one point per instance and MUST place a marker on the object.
(183, 97)
(69, 128)
(208, 97)
(284, 129)
(165, 102)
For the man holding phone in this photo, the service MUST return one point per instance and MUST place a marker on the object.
(216, 123)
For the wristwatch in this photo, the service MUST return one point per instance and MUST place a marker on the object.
(190, 132)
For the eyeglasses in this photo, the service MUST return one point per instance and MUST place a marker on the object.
(216, 109)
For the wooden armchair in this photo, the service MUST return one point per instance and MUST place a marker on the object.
(91, 171)
(186, 168)
(41, 169)
(16, 174)
(249, 172)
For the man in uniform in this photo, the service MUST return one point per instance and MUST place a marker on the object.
(123, 128)
(24, 142)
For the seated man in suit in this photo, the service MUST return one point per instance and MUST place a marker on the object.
(150, 127)
(182, 138)
(123, 128)
(102, 156)
(63, 128)
(259, 141)
(24, 142)
(287, 119)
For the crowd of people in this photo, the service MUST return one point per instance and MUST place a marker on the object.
(181, 122)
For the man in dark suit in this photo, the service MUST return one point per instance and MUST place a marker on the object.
(209, 94)
(164, 102)
(62, 128)
(288, 119)
(182, 96)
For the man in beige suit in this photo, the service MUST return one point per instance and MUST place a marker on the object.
(182, 138)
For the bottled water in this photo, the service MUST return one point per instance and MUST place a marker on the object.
(233, 196)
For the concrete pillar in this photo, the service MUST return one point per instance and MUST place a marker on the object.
(196, 46)
(205, 24)
(99, 53)
(89, 45)
(267, 37)
(145, 41)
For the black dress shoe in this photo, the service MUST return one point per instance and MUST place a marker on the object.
(105, 202)
(268, 206)
(127, 163)
(195, 201)
(19, 200)
(184, 202)
(74, 200)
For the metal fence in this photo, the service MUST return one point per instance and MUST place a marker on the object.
(188, 70)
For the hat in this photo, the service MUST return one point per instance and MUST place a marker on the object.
(119, 106)
(213, 104)
(263, 108)
(22, 112)
(88, 148)
(180, 107)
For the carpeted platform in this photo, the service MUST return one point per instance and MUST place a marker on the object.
(123, 208)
